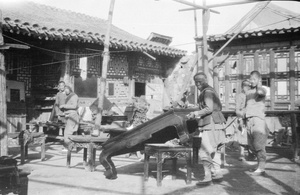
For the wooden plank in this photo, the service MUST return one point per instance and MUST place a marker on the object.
(272, 80)
(292, 77)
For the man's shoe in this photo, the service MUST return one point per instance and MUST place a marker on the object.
(217, 177)
(204, 182)
(242, 158)
(257, 173)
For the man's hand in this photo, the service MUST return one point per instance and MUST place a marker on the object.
(261, 92)
(191, 115)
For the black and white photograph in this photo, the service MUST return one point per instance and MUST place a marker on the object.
(149, 97)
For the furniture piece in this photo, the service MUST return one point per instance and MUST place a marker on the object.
(89, 144)
(9, 173)
(27, 139)
(174, 151)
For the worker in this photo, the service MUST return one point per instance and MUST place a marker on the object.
(256, 125)
(211, 124)
(60, 99)
(72, 118)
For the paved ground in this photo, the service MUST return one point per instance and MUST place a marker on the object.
(52, 177)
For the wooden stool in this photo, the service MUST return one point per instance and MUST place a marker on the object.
(89, 144)
(27, 139)
(159, 149)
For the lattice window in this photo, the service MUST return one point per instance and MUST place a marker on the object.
(282, 90)
(297, 60)
(233, 66)
(248, 64)
(118, 65)
(282, 62)
(264, 63)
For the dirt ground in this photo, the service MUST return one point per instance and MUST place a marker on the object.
(52, 177)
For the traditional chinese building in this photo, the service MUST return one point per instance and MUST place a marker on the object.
(68, 46)
(270, 43)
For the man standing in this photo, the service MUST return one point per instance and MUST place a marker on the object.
(59, 100)
(255, 117)
(70, 110)
(211, 126)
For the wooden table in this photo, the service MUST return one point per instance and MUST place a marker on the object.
(159, 149)
(89, 144)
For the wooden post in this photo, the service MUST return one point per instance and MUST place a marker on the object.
(216, 76)
(272, 79)
(205, 18)
(256, 65)
(292, 77)
(240, 69)
(105, 62)
(3, 110)
(65, 72)
(227, 85)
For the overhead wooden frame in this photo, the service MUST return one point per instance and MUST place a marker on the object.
(196, 6)
(221, 5)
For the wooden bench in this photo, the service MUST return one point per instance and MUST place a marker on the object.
(158, 150)
(89, 144)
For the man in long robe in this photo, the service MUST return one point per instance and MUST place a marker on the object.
(72, 118)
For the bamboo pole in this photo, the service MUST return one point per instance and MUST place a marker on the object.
(196, 6)
(105, 62)
(220, 5)
(237, 33)
(205, 19)
(3, 110)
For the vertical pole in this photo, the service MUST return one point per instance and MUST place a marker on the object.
(67, 67)
(196, 29)
(196, 92)
(216, 76)
(272, 80)
(205, 15)
(227, 85)
(105, 62)
(292, 77)
(3, 111)
(65, 71)
(240, 70)
(256, 61)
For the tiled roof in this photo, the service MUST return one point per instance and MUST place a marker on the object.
(253, 34)
(271, 20)
(50, 23)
